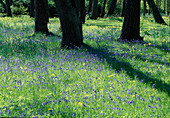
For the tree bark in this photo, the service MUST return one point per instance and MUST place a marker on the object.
(90, 6)
(82, 11)
(144, 7)
(3, 4)
(103, 9)
(156, 14)
(95, 10)
(70, 23)
(123, 9)
(8, 8)
(32, 6)
(131, 25)
(112, 7)
(41, 16)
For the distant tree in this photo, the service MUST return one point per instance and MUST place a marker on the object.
(164, 6)
(32, 6)
(144, 7)
(112, 7)
(158, 4)
(90, 6)
(168, 6)
(123, 9)
(3, 4)
(156, 14)
(131, 25)
(8, 8)
(41, 16)
(70, 23)
(103, 8)
(95, 10)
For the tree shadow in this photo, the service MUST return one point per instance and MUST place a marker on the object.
(131, 72)
(165, 48)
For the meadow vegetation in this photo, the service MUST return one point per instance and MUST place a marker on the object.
(108, 78)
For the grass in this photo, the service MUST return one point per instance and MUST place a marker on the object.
(108, 78)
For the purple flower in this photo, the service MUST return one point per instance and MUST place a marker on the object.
(73, 115)
(150, 106)
(158, 99)
(118, 113)
(153, 85)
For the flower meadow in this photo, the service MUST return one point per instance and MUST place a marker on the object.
(108, 78)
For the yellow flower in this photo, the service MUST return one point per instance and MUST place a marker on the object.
(80, 104)
(149, 43)
(83, 64)
(110, 75)
(133, 96)
(53, 74)
(49, 109)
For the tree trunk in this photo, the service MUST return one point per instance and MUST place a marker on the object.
(82, 11)
(168, 7)
(144, 7)
(3, 4)
(70, 23)
(90, 6)
(112, 7)
(8, 8)
(131, 25)
(157, 16)
(95, 10)
(41, 16)
(164, 6)
(149, 11)
(103, 9)
(32, 13)
(123, 9)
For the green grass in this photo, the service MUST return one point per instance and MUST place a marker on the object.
(108, 79)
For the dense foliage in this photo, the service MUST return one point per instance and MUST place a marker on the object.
(22, 7)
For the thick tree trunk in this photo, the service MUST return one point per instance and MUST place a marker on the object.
(144, 7)
(41, 16)
(123, 9)
(168, 6)
(156, 14)
(112, 7)
(103, 9)
(3, 4)
(32, 13)
(70, 23)
(90, 6)
(82, 11)
(131, 24)
(95, 10)
(8, 9)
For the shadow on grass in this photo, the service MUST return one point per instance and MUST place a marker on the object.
(165, 48)
(131, 72)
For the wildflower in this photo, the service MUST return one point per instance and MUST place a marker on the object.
(101, 113)
(158, 99)
(73, 115)
(80, 104)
